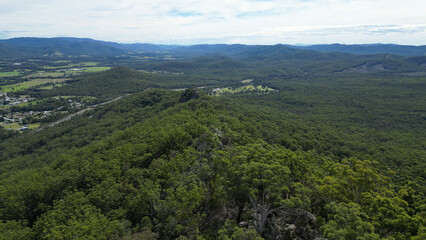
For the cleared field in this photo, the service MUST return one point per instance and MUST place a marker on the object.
(49, 87)
(247, 81)
(95, 69)
(27, 103)
(10, 74)
(89, 64)
(17, 126)
(45, 74)
(13, 126)
(32, 83)
(71, 65)
(83, 97)
(59, 67)
(244, 89)
(33, 126)
(64, 97)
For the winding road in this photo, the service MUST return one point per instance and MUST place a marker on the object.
(67, 118)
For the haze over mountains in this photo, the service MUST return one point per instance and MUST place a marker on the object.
(294, 60)
(26, 47)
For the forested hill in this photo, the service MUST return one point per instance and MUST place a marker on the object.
(164, 165)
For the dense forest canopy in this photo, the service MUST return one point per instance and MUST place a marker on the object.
(334, 150)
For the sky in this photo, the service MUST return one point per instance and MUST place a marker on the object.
(219, 21)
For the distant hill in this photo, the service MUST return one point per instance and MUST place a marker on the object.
(293, 61)
(240, 50)
(199, 63)
(304, 59)
(264, 54)
(369, 49)
(146, 47)
(28, 47)
(9, 51)
(236, 50)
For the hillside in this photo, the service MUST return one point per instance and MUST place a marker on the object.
(105, 85)
(11, 51)
(159, 164)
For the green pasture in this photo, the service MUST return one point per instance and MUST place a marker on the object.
(88, 64)
(13, 126)
(27, 103)
(28, 84)
(71, 65)
(95, 69)
(59, 67)
(49, 87)
(10, 74)
(17, 126)
(42, 74)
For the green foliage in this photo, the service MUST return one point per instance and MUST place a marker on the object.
(195, 170)
(15, 230)
(348, 222)
(191, 93)
(74, 217)
(232, 232)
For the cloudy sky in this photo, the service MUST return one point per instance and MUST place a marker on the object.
(219, 21)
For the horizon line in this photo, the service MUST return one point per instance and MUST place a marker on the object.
(219, 43)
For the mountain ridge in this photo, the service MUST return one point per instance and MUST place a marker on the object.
(32, 46)
(369, 49)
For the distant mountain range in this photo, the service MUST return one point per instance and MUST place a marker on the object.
(369, 49)
(27, 47)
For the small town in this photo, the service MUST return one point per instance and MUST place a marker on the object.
(10, 119)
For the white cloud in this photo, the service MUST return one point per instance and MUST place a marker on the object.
(229, 21)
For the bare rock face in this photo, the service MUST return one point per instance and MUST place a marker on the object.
(291, 224)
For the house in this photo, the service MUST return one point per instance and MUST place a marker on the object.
(24, 128)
